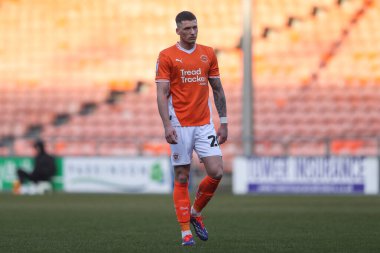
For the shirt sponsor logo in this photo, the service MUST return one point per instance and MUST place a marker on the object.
(193, 76)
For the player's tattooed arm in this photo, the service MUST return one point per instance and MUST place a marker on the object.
(221, 107)
(219, 97)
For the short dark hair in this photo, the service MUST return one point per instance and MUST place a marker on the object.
(184, 15)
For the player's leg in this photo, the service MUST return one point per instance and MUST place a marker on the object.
(181, 159)
(22, 187)
(205, 191)
(181, 200)
(209, 184)
(23, 176)
(208, 150)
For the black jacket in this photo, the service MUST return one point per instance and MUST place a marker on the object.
(44, 165)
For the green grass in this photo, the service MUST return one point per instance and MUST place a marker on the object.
(147, 223)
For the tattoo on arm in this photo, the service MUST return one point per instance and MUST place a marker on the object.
(219, 97)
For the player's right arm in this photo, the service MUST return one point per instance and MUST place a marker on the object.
(163, 89)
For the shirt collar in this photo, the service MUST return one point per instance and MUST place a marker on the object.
(189, 51)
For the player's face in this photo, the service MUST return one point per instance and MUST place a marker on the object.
(188, 31)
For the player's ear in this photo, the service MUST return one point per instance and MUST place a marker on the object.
(178, 28)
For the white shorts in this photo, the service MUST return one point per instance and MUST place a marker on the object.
(202, 139)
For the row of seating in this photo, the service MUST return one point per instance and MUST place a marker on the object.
(97, 40)
(110, 51)
(101, 60)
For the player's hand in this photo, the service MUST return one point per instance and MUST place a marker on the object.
(170, 135)
(222, 133)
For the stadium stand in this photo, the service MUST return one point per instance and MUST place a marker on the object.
(316, 74)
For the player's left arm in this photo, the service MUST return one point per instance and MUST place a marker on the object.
(221, 107)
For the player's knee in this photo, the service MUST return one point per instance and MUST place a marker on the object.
(216, 172)
(218, 175)
(182, 177)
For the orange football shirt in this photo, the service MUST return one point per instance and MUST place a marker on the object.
(188, 72)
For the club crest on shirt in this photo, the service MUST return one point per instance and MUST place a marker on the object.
(175, 156)
(204, 58)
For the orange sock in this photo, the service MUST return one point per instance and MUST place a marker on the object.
(205, 191)
(182, 204)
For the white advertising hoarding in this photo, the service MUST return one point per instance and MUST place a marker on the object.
(117, 175)
(319, 175)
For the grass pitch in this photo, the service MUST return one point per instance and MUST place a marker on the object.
(147, 223)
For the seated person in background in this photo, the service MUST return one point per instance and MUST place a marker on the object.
(44, 168)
